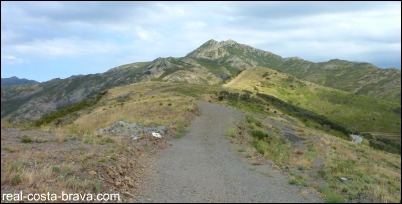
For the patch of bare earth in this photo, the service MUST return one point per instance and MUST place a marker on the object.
(36, 161)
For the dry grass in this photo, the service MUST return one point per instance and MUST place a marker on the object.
(159, 109)
(374, 176)
(72, 153)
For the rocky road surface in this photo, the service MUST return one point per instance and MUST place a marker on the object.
(203, 166)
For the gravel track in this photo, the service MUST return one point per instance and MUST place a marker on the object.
(203, 166)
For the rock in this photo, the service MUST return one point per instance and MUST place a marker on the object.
(130, 184)
(122, 128)
(128, 194)
(111, 173)
(126, 178)
(135, 137)
(92, 172)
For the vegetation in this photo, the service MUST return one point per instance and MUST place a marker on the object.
(26, 139)
(355, 112)
(287, 108)
(89, 102)
(181, 133)
(305, 114)
(339, 157)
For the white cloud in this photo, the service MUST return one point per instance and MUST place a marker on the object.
(60, 47)
(194, 25)
(142, 31)
(10, 59)
(147, 35)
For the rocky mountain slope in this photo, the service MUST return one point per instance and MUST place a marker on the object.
(212, 63)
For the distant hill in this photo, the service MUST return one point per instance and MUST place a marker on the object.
(16, 81)
(212, 63)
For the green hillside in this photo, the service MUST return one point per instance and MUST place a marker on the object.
(357, 112)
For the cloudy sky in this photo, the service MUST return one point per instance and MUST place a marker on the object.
(45, 40)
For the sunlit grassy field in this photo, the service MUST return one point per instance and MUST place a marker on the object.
(357, 112)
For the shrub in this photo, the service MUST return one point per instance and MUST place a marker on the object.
(26, 139)
(260, 146)
(367, 135)
(250, 119)
(224, 93)
(334, 198)
(181, 133)
(230, 132)
(245, 97)
(107, 140)
(233, 96)
(16, 179)
(258, 134)
(379, 144)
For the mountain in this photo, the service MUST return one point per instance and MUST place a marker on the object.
(212, 63)
(16, 81)
(356, 77)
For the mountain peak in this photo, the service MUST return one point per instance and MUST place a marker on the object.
(228, 42)
(211, 42)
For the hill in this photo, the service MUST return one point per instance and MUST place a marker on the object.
(357, 112)
(12, 81)
(356, 77)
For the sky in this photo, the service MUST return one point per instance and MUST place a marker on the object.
(46, 40)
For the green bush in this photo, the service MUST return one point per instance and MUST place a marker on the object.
(333, 198)
(260, 146)
(250, 119)
(245, 97)
(258, 134)
(16, 179)
(305, 114)
(26, 139)
(381, 144)
(181, 133)
(107, 140)
(230, 132)
(367, 135)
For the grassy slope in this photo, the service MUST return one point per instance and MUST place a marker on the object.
(358, 112)
(158, 109)
(374, 174)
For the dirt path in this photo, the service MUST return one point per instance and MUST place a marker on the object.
(204, 167)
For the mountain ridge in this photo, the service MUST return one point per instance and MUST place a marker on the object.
(212, 63)
(14, 81)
